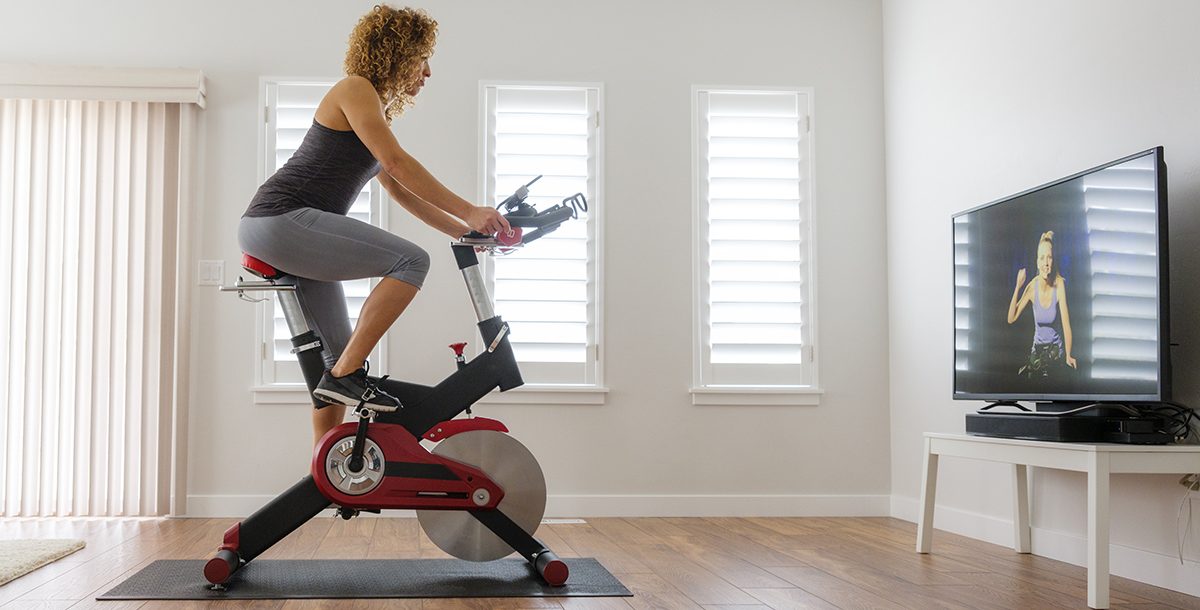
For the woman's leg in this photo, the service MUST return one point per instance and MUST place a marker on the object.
(326, 419)
(323, 248)
(386, 302)
(324, 305)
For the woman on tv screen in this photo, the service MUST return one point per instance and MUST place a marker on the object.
(1047, 292)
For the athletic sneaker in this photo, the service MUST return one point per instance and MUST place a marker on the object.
(353, 389)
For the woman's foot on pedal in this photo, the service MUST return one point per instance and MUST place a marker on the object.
(353, 389)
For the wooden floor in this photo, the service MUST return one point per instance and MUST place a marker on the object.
(725, 563)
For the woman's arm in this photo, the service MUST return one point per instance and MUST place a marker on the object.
(1015, 306)
(359, 102)
(1061, 287)
(425, 211)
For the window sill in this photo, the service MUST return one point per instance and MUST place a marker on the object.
(297, 394)
(771, 396)
(282, 394)
(547, 395)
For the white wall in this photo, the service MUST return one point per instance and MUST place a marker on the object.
(986, 99)
(648, 444)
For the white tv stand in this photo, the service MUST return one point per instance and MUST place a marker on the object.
(1098, 460)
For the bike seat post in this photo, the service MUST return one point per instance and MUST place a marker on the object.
(306, 344)
(293, 313)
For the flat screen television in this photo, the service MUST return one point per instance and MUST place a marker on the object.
(1060, 292)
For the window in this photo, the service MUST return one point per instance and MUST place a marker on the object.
(753, 284)
(549, 292)
(288, 114)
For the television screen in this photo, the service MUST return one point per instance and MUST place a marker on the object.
(1060, 292)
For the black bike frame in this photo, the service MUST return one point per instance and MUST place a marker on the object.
(424, 408)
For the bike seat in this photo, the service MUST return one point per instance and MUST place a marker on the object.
(261, 269)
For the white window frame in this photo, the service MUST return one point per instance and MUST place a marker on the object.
(267, 388)
(807, 391)
(594, 391)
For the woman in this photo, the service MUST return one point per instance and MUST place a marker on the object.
(297, 220)
(1048, 293)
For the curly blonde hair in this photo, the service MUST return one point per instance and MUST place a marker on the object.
(387, 47)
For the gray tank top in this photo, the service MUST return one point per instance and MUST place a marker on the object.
(326, 172)
(1044, 330)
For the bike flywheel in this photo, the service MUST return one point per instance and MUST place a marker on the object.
(511, 466)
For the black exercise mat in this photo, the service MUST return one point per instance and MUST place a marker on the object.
(366, 578)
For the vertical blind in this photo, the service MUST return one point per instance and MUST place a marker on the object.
(754, 246)
(547, 293)
(89, 212)
(289, 115)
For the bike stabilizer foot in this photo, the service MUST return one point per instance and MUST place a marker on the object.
(552, 569)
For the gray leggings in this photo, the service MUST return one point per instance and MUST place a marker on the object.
(321, 249)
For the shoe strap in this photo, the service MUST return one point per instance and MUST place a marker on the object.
(372, 387)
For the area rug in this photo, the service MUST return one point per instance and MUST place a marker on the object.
(20, 557)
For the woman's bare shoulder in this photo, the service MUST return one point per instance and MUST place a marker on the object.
(352, 87)
(355, 81)
(351, 90)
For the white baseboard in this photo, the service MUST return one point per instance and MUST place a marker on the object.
(224, 506)
(1136, 564)
(235, 506)
(716, 506)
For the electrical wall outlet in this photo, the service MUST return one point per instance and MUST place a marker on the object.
(211, 273)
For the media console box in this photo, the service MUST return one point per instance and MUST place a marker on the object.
(1069, 428)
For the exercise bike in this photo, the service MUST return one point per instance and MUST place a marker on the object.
(479, 494)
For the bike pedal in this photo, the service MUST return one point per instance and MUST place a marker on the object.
(349, 513)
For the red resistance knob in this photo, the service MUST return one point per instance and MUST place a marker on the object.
(458, 349)
(509, 238)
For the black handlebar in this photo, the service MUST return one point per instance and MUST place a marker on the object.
(553, 216)
(521, 214)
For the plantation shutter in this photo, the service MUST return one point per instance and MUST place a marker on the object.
(754, 247)
(546, 292)
(1121, 204)
(289, 115)
(962, 292)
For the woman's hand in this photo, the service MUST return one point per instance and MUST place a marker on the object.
(1072, 363)
(486, 220)
(1017, 304)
